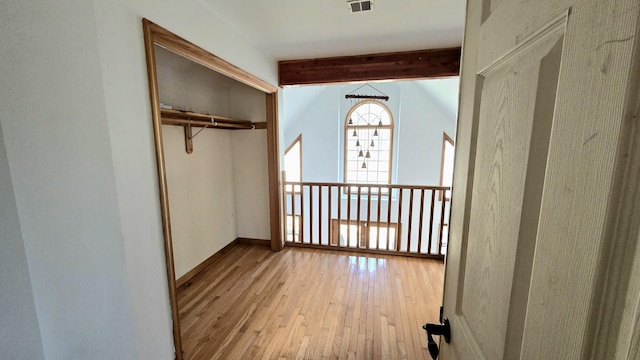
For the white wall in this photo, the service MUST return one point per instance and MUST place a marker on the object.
(191, 86)
(85, 183)
(126, 97)
(419, 136)
(58, 148)
(19, 333)
(319, 124)
(250, 165)
(201, 197)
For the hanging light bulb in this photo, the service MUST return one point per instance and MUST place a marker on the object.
(364, 165)
(358, 142)
(354, 132)
(368, 154)
(375, 132)
(350, 121)
(360, 154)
(372, 144)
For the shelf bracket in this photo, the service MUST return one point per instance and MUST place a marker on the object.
(199, 131)
(188, 139)
(189, 136)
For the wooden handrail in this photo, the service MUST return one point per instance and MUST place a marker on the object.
(385, 186)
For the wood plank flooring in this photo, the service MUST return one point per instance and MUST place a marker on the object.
(310, 304)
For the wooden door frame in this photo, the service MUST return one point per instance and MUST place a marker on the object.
(157, 35)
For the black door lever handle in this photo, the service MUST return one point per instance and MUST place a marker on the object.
(443, 330)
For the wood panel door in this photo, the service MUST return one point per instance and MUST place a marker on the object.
(546, 87)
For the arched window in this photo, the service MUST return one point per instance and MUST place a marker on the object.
(368, 134)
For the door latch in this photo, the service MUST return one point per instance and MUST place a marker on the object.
(443, 329)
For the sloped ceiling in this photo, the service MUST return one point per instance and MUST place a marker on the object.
(444, 91)
(296, 29)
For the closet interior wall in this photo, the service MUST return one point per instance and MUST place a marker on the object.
(219, 192)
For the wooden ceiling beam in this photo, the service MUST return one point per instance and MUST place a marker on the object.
(419, 64)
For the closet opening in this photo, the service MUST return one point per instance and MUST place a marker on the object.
(216, 140)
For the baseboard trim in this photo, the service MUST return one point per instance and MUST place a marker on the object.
(184, 279)
(249, 241)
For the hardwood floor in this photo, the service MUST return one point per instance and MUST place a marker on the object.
(310, 304)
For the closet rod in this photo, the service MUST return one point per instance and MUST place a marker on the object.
(220, 124)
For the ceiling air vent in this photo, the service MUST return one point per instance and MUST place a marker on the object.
(356, 6)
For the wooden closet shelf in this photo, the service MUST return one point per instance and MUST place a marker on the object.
(182, 118)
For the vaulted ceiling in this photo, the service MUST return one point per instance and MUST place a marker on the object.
(295, 29)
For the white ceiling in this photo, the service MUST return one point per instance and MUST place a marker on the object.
(297, 29)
